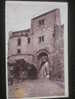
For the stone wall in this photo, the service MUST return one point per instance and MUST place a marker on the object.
(45, 30)
(58, 58)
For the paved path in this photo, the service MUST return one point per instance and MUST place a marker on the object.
(35, 88)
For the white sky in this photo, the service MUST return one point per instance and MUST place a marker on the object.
(19, 13)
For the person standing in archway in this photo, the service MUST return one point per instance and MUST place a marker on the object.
(46, 70)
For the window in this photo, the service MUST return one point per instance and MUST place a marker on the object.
(19, 42)
(41, 22)
(18, 51)
(54, 35)
(28, 40)
(41, 39)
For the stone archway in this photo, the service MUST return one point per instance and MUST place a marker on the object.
(42, 58)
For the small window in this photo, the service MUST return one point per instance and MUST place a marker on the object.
(28, 40)
(41, 22)
(54, 35)
(41, 39)
(18, 51)
(19, 42)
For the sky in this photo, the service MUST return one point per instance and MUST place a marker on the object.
(18, 14)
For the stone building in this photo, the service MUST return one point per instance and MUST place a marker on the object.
(43, 41)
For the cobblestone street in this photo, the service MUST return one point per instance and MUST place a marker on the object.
(35, 88)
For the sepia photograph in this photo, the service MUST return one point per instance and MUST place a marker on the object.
(36, 49)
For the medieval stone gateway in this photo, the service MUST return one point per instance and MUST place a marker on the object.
(41, 47)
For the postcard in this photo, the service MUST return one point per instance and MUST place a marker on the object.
(36, 49)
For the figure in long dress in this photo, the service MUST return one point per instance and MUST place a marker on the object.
(45, 71)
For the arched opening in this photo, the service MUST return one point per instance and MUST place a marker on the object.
(32, 72)
(43, 64)
(42, 54)
(27, 71)
(20, 71)
(42, 58)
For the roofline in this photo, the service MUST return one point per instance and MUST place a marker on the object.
(45, 13)
(27, 30)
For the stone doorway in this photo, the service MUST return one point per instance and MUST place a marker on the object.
(44, 65)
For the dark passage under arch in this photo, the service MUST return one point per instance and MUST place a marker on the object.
(32, 72)
(42, 54)
(42, 58)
